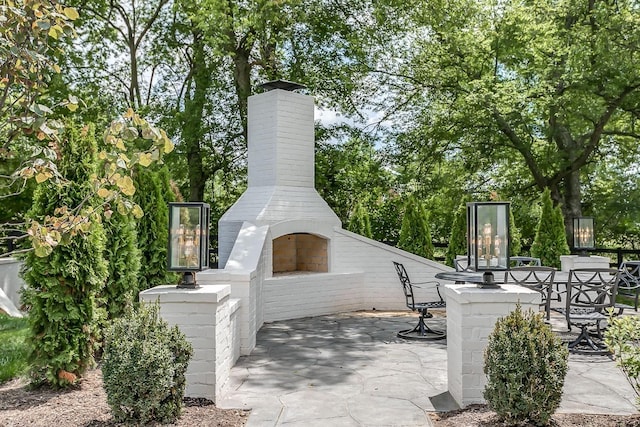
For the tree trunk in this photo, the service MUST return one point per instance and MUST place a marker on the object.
(242, 79)
(192, 132)
(571, 206)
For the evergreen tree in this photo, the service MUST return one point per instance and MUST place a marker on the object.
(415, 234)
(63, 286)
(123, 257)
(458, 238)
(515, 236)
(550, 241)
(359, 221)
(153, 228)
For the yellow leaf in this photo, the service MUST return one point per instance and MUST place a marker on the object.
(41, 177)
(126, 186)
(137, 212)
(54, 31)
(104, 193)
(122, 209)
(56, 68)
(129, 114)
(72, 107)
(120, 145)
(71, 13)
(102, 155)
(168, 145)
(42, 250)
(145, 159)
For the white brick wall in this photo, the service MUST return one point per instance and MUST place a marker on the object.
(382, 290)
(205, 315)
(297, 296)
(471, 316)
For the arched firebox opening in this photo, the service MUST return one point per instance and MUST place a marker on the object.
(300, 252)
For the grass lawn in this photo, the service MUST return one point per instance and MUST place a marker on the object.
(13, 348)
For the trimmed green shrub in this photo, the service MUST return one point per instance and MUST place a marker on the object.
(458, 237)
(359, 221)
(62, 287)
(550, 241)
(622, 338)
(415, 234)
(143, 367)
(525, 364)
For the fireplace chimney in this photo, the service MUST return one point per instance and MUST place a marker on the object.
(281, 160)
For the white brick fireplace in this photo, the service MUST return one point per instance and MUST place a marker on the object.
(282, 251)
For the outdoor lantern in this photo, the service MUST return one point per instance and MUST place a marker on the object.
(488, 235)
(583, 235)
(188, 240)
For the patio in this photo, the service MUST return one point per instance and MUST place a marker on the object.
(351, 369)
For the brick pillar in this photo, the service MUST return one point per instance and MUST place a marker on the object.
(205, 315)
(471, 316)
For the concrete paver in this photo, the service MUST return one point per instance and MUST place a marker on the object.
(352, 370)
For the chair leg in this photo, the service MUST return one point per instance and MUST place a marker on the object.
(422, 331)
(584, 344)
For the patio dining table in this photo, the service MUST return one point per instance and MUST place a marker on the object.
(560, 277)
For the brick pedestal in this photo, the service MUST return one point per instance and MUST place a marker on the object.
(471, 316)
(207, 317)
(569, 262)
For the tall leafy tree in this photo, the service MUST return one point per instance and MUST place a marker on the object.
(553, 84)
(415, 234)
(359, 221)
(351, 172)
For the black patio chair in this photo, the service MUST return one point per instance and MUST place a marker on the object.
(462, 264)
(629, 284)
(523, 261)
(536, 278)
(591, 295)
(421, 331)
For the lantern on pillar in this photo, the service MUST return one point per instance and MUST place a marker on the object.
(583, 234)
(188, 240)
(488, 235)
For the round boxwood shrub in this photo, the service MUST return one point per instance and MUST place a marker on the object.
(525, 364)
(143, 367)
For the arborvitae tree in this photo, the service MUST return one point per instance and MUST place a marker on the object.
(123, 257)
(550, 241)
(458, 237)
(152, 228)
(415, 234)
(359, 221)
(515, 236)
(62, 287)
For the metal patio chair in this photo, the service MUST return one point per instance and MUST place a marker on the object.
(629, 284)
(536, 278)
(591, 294)
(523, 261)
(421, 330)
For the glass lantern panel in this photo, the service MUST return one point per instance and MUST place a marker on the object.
(185, 229)
(583, 235)
(489, 236)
